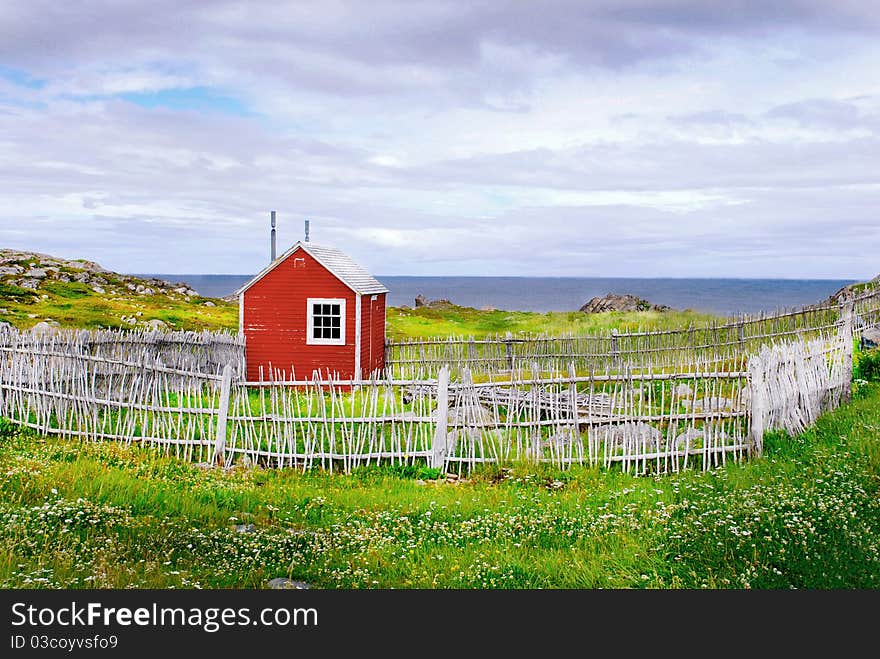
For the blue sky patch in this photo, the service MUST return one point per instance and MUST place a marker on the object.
(21, 78)
(202, 99)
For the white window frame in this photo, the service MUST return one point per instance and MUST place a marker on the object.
(310, 322)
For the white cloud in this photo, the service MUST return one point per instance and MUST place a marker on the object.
(601, 138)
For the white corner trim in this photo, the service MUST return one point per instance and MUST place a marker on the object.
(241, 314)
(357, 337)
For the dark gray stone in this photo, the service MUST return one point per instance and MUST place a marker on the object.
(870, 338)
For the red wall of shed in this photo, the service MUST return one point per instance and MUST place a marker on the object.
(275, 321)
(373, 334)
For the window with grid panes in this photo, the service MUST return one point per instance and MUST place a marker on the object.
(326, 321)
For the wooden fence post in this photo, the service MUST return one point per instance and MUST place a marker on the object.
(222, 416)
(438, 457)
(508, 348)
(757, 403)
(846, 336)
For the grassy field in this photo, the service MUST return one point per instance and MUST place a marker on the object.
(77, 305)
(464, 321)
(806, 515)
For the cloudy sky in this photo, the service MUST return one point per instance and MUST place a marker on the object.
(582, 138)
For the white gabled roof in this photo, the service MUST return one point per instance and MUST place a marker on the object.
(338, 263)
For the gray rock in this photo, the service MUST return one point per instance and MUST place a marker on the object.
(245, 528)
(615, 302)
(469, 414)
(209, 304)
(682, 391)
(870, 338)
(11, 270)
(686, 440)
(89, 266)
(422, 301)
(35, 273)
(45, 327)
(283, 583)
(98, 289)
(185, 290)
(640, 433)
(30, 284)
(156, 324)
(561, 441)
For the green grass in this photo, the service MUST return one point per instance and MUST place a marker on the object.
(77, 305)
(805, 515)
(464, 321)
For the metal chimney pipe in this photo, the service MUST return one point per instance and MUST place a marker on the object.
(273, 235)
(307, 231)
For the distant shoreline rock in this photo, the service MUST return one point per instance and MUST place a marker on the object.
(617, 302)
(422, 301)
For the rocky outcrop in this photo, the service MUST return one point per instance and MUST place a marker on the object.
(837, 297)
(615, 302)
(31, 270)
(422, 301)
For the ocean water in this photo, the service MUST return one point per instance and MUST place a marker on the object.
(718, 296)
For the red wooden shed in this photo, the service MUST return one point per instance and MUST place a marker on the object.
(313, 309)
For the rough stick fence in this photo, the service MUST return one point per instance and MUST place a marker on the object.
(698, 412)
